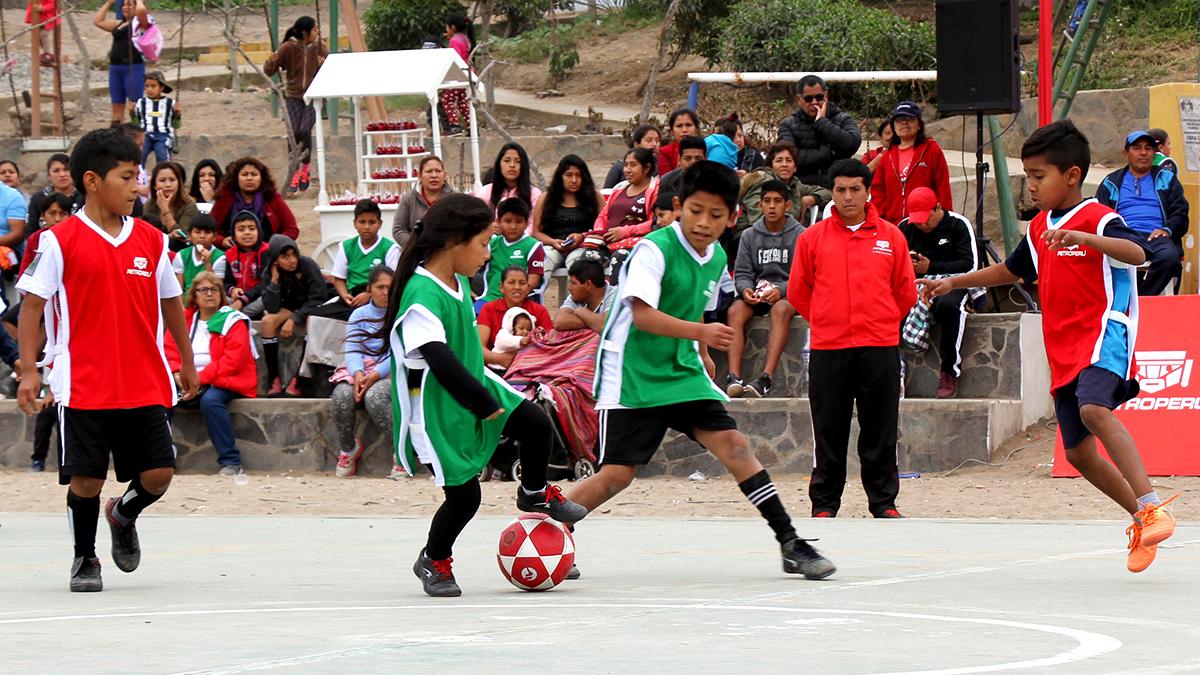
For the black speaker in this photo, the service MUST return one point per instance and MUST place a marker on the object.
(978, 57)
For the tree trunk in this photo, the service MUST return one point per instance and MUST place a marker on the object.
(236, 80)
(648, 98)
(85, 64)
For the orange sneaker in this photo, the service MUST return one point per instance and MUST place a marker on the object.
(1157, 523)
(1140, 555)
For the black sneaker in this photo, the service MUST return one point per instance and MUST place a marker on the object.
(574, 573)
(760, 387)
(552, 503)
(734, 387)
(436, 576)
(800, 558)
(126, 550)
(85, 575)
(37, 465)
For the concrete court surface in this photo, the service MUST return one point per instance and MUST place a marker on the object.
(241, 594)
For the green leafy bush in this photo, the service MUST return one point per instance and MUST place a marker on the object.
(405, 24)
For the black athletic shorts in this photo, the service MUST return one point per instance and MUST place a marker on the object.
(1094, 386)
(631, 436)
(138, 439)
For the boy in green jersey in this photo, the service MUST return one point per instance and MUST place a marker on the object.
(651, 371)
(513, 246)
(201, 256)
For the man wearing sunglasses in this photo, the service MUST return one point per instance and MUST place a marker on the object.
(820, 130)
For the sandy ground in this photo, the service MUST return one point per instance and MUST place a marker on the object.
(1016, 490)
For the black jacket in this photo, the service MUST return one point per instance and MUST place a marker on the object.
(1170, 197)
(301, 291)
(950, 247)
(820, 142)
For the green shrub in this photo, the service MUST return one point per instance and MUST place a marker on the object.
(405, 24)
(824, 35)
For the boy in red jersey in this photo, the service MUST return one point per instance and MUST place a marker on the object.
(1084, 256)
(114, 288)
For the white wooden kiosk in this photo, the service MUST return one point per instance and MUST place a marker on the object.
(355, 75)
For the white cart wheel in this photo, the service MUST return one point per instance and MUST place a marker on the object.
(325, 253)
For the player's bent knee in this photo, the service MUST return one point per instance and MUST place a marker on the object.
(617, 477)
(157, 480)
(730, 446)
(1094, 416)
(86, 486)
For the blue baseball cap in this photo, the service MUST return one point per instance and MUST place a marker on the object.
(906, 109)
(1135, 136)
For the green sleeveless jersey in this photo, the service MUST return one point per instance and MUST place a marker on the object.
(636, 369)
(506, 254)
(192, 267)
(359, 263)
(431, 425)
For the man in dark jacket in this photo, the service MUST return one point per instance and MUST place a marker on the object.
(1150, 200)
(942, 242)
(820, 130)
(293, 288)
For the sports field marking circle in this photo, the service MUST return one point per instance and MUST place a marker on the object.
(1088, 644)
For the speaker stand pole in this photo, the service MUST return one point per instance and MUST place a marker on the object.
(987, 253)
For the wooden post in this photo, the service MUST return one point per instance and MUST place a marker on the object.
(35, 75)
(273, 29)
(331, 105)
(648, 98)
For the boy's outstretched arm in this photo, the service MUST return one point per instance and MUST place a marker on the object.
(646, 318)
(1124, 250)
(994, 275)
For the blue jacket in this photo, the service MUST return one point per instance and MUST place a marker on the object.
(722, 149)
(1170, 198)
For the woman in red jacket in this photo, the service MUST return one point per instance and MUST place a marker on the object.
(683, 122)
(248, 186)
(911, 161)
(225, 357)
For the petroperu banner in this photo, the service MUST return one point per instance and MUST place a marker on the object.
(1164, 419)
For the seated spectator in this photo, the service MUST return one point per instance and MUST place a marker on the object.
(10, 175)
(664, 215)
(588, 300)
(206, 180)
(1162, 158)
(692, 149)
(13, 216)
(627, 215)
(760, 277)
(245, 264)
(225, 356)
(873, 155)
(168, 202)
(565, 213)
(431, 186)
(355, 259)
(1150, 200)
(645, 136)
(912, 160)
(682, 123)
(516, 331)
(202, 255)
(820, 131)
(59, 173)
(720, 146)
(510, 179)
(515, 293)
(293, 288)
(781, 165)
(512, 248)
(749, 158)
(942, 243)
(362, 382)
(248, 186)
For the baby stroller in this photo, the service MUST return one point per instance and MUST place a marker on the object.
(555, 372)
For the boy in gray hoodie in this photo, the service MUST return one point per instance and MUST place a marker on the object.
(760, 276)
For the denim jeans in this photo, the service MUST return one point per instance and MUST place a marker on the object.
(158, 143)
(213, 404)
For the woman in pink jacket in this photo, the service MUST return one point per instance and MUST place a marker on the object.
(628, 214)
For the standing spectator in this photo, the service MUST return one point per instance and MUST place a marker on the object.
(460, 36)
(431, 186)
(515, 293)
(245, 264)
(628, 215)
(510, 178)
(126, 68)
(60, 181)
(299, 57)
(566, 211)
(1150, 200)
(645, 136)
(692, 149)
(248, 186)
(293, 288)
(874, 155)
(589, 298)
(912, 160)
(760, 277)
(683, 122)
(168, 202)
(156, 113)
(781, 165)
(852, 280)
(10, 175)
(45, 14)
(355, 259)
(942, 243)
(720, 146)
(1162, 158)
(512, 247)
(362, 381)
(206, 179)
(821, 132)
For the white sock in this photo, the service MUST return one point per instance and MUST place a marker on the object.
(532, 492)
(1151, 498)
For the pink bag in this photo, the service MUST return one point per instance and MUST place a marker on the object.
(149, 41)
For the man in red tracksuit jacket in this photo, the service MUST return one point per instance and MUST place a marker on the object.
(852, 280)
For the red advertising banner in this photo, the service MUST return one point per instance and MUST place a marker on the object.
(1164, 419)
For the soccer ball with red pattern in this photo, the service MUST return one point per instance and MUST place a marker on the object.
(535, 552)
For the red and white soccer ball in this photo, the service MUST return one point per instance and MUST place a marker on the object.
(536, 552)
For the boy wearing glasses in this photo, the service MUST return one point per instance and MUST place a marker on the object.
(821, 131)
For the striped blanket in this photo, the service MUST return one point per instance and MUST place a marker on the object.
(564, 364)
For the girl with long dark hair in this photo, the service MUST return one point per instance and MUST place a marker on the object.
(510, 178)
(300, 57)
(565, 212)
(206, 179)
(645, 136)
(682, 122)
(451, 409)
(248, 186)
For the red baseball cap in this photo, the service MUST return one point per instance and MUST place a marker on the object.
(921, 203)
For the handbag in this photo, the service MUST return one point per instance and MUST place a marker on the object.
(149, 41)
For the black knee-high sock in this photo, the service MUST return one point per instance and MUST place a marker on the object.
(271, 354)
(83, 513)
(133, 502)
(462, 501)
(762, 494)
(529, 426)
